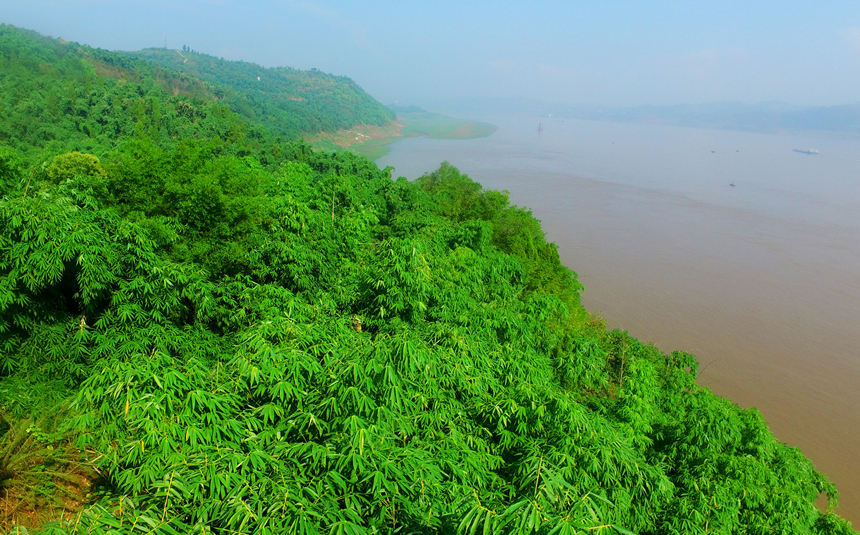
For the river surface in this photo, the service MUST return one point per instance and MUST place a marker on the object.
(760, 279)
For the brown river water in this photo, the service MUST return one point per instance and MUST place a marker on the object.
(760, 280)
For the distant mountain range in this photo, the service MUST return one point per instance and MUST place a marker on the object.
(758, 117)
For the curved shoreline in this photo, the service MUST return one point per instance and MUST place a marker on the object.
(373, 141)
(764, 298)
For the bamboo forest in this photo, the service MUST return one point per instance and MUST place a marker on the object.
(206, 326)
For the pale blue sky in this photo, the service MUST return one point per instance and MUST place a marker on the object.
(609, 52)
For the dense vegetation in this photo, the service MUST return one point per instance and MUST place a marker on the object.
(58, 95)
(287, 100)
(212, 332)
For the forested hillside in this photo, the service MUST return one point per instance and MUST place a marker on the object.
(284, 99)
(58, 96)
(204, 329)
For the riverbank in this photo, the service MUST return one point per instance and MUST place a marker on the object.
(373, 141)
(759, 281)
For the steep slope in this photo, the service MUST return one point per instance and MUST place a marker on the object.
(60, 96)
(288, 100)
(57, 96)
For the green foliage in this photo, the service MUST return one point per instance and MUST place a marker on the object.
(10, 170)
(258, 338)
(60, 97)
(289, 101)
(514, 230)
(74, 164)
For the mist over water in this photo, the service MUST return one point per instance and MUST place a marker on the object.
(760, 280)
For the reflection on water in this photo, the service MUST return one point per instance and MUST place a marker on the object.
(761, 280)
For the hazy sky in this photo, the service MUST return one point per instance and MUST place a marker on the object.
(596, 52)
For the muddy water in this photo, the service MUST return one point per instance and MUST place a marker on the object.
(760, 280)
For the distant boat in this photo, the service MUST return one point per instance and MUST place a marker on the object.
(807, 151)
(732, 184)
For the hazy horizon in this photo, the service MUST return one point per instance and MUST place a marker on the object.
(611, 54)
